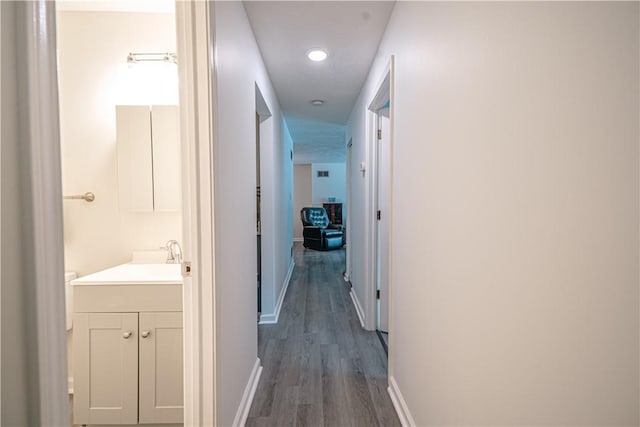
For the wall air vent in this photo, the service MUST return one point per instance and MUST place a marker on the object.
(323, 174)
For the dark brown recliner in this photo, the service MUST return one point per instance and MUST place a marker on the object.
(317, 232)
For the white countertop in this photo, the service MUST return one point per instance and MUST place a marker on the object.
(138, 274)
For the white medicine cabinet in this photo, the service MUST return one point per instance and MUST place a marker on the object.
(148, 158)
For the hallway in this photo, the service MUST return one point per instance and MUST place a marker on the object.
(319, 366)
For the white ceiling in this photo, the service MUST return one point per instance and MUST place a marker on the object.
(285, 30)
(350, 31)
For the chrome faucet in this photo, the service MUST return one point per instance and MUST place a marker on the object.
(175, 252)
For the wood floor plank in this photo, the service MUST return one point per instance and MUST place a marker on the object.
(334, 395)
(309, 415)
(385, 411)
(344, 336)
(310, 391)
(258, 422)
(285, 407)
(264, 397)
(359, 399)
(289, 372)
(262, 400)
(319, 366)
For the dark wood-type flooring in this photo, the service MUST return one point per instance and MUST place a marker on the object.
(319, 366)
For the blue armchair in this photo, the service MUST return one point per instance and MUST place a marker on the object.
(317, 232)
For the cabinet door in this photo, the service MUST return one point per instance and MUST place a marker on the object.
(105, 348)
(161, 366)
(135, 170)
(166, 159)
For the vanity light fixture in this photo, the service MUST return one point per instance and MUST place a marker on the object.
(134, 58)
(317, 55)
(317, 102)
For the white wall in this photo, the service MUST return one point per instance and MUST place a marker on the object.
(310, 190)
(301, 196)
(515, 211)
(239, 69)
(335, 185)
(276, 182)
(92, 49)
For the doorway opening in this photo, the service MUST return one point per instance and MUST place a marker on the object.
(258, 222)
(348, 267)
(132, 164)
(264, 238)
(382, 150)
(382, 232)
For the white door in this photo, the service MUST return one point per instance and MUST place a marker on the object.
(105, 348)
(348, 255)
(384, 203)
(161, 364)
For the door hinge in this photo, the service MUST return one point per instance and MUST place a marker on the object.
(379, 215)
(379, 133)
(186, 269)
(378, 294)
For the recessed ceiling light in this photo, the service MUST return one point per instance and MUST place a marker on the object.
(317, 102)
(317, 54)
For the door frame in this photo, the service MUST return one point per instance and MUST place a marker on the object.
(195, 47)
(348, 256)
(264, 158)
(379, 178)
(384, 91)
(196, 71)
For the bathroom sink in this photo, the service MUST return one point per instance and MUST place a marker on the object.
(129, 288)
(139, 274)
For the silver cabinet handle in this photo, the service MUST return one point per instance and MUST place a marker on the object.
(126, 335)
(145, 334)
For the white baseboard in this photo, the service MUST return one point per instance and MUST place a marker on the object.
(247, 397)
(400, 404)
(298, 239)
(358, 307)
(273, 317)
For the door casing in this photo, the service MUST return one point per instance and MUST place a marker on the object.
(384, 95)
(197, 71)
(383, 208)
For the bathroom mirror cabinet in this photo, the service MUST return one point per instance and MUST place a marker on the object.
(148, 158)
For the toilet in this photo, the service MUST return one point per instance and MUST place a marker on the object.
(68, 293)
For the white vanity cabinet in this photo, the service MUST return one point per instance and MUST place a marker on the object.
(148, 158)
(127, 349)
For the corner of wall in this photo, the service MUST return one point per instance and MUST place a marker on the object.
(400, 405)
(358, 307)
(271, 318)
(247, 397)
